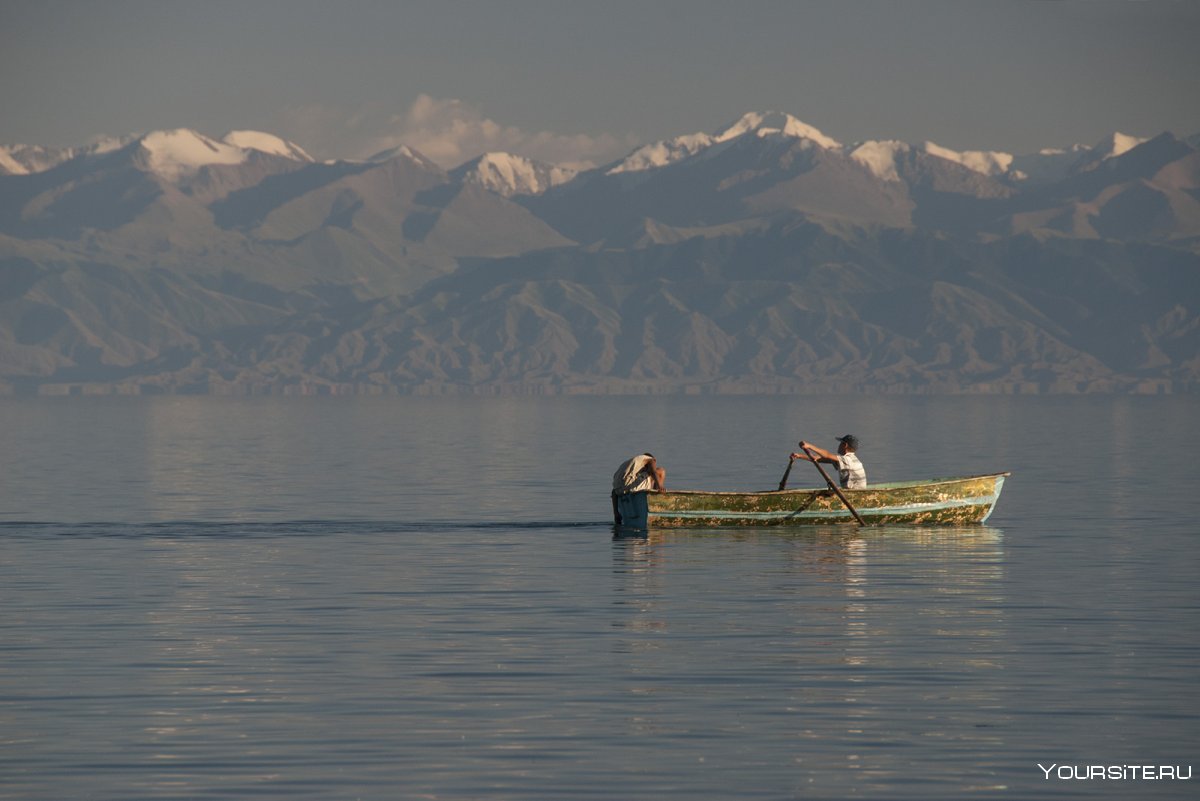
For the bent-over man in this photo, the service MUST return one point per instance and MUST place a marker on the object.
(641, 473)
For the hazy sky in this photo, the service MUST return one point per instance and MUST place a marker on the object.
(586, 81)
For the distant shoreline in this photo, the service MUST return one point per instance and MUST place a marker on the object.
(727, 387)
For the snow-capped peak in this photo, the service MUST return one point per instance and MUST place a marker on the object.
(987, 162)
(171, 154)
(1108, 148)
(266, 143)
(762, 124)
(776, 122)
(664, 152)
(508, 175)
(402, 152)
(181, 152)
(880, 158)
(1116, 144)
(27, 159)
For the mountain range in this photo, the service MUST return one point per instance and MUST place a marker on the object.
(763, 257)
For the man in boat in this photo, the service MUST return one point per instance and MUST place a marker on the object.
(850, 470)
(638, 474)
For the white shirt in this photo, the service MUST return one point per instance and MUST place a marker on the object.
(630, 478)
(851, 471)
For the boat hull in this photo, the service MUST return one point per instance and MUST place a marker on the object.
(949, 501)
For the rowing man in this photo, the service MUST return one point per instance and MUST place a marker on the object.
(850, 469)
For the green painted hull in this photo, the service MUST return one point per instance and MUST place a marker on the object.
(944, 501)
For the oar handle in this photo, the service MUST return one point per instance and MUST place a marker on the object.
(786, 473)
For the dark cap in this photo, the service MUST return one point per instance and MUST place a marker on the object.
(850, 440)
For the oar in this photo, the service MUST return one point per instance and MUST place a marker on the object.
(833, 486)
(786, 473)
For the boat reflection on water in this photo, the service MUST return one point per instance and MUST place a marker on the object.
(912, 557)
(970, 535)
(850, 646)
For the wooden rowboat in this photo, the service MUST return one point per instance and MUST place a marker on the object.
(939, 501)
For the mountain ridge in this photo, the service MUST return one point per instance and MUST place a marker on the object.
(763, 257)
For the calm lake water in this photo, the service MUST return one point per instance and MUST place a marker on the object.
(404, 598)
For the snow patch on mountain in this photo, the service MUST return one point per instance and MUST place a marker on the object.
(29, 159)
(662, 153)
(775, 122)
(9, 164)
(761, 124)
(880, 157)
(1107, 149)
(25, 160)
(403, 152)
(266, 143)
(1116, 144)
(987, 162)
(508, 175)
(180, 153)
